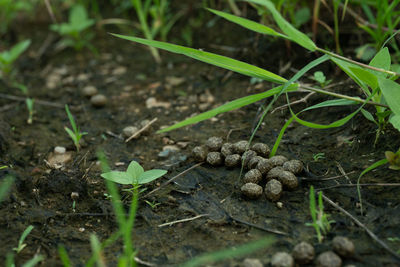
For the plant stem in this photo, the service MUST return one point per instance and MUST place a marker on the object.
(356, 62)
(356, 99)
(145, 28)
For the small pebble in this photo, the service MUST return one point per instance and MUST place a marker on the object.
(343, 246)
(128, 131)
(89, 91)
(240, 147)
(227, 149)
(294, 166)
(264, 166)
(214, 158)
(303, 253)
(252, 263)
(252, 191)
(247, 156)
(279, 205)
(274, 173)
(199, 153)
(252, 176)
(288, 180)
(273, 190)
(214, 143)
(261, 149)
(232, 160)
(278, 160)
(60, 150)
(253, 162)
(328, 259)
(98, 101)
(282, 259)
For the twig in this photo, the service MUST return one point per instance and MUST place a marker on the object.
(353, 185)
(39, 102)
(141, 130)
(342, 171)
(182, 220)
(369, 232)
(172, 179)
(302, 100)
(325, 179)
(145, 263)
(258, 227)
(50, 10)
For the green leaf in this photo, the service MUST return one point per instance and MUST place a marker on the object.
(319, 76)
(345, 66)
(395, 121)
(135, 170)
(368, 115)
(391, 92)
(294, 34)
(235, 104)
(5, 186)
(248, 24)
(214, 59)
(332, 103)
(150, 175)
(71, 134)
(118, 177)
(381, 60)
(366, 76)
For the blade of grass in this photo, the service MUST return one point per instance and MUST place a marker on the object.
(229, 253)
(235, 104)
(248, 24)
(213, 59)
(287, 28)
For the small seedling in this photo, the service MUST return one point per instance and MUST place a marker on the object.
(318, 156)
(152, 204)
(29, 105)
(321, 223)
(72, 31)
(7, 58)
(319, 76)
(134, 175)
(21, 244)
(75, 133)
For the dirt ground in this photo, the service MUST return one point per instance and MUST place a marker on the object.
(126, 74)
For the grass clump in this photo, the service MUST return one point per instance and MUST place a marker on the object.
(75, 134)
(321, 223)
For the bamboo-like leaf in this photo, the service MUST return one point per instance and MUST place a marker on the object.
(235, 104)
(214, 59)
(367, 76)
(381, 60)
(391, 92)
(332, 103)
(287, 28)
(248, 24)
(345, 66)
(395, 121)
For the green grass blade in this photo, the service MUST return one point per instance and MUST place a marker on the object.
(25, 234)
(214, 59)
(332, 103)
(71, 119)
(229, 253)
(235, 104)
(395, 121)
(313, 205)
(280, 136)
(18, 49)
(345, 66)
(62, 252)
(370, 168)
(248, 24)
(32, 262)
(287, 28)
(5, 186)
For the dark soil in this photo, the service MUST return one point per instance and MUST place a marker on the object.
(41, 195)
